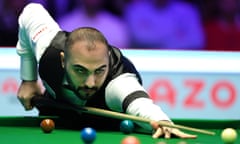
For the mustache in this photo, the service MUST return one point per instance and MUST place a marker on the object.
(86, 88)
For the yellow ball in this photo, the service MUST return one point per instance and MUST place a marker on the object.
(229, 135)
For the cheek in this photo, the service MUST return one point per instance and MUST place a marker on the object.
(73, 78)
(101, 79)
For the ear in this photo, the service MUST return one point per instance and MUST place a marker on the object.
(62, 59)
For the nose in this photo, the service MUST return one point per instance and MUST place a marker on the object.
(90, 81)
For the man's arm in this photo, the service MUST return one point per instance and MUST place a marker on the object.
(36, 31)
(125, 94)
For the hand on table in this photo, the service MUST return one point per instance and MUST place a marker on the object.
(167, 132)
(26, 91)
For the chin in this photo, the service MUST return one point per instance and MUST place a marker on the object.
(86, 97)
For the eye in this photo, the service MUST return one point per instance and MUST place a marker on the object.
(80, 70)
(99, 71)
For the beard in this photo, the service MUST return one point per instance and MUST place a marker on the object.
(82, 92)
(85, 92)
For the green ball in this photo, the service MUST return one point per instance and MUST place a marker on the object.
(127, 126)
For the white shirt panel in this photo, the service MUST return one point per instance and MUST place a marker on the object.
(119, 88)
(36, 31)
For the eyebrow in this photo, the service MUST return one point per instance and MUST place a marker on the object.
(84, 68)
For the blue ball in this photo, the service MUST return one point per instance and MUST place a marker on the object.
(88, 135)
(126, 126)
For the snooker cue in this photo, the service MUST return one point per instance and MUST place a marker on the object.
(117, 115)
(41, 101)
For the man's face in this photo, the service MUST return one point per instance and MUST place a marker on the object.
(86, 68)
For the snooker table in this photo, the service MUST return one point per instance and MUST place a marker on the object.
(26, 130)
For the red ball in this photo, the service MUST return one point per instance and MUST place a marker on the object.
(130, 140)
(47, 125)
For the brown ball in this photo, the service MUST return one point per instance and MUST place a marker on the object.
(47, 125)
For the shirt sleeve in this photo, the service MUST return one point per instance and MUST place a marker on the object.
(36, 31)
(125, 86)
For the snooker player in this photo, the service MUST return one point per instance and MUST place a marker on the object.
(80, 68)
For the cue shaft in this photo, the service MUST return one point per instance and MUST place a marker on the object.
(40, 101)
(117, 115)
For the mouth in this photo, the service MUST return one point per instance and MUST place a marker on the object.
(86, 94)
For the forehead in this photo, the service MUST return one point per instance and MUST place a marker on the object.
(89, 48)
(88, 53)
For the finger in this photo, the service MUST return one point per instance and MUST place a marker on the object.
(154, 124)
(158, 133)
(167, 132)
(167, 135)
(28, 107)
(27, 104)
(181, 134)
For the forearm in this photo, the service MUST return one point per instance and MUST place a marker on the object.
(28, 70)
(28, 62)
(149, 111)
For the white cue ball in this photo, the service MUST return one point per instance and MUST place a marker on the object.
(229, 135)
